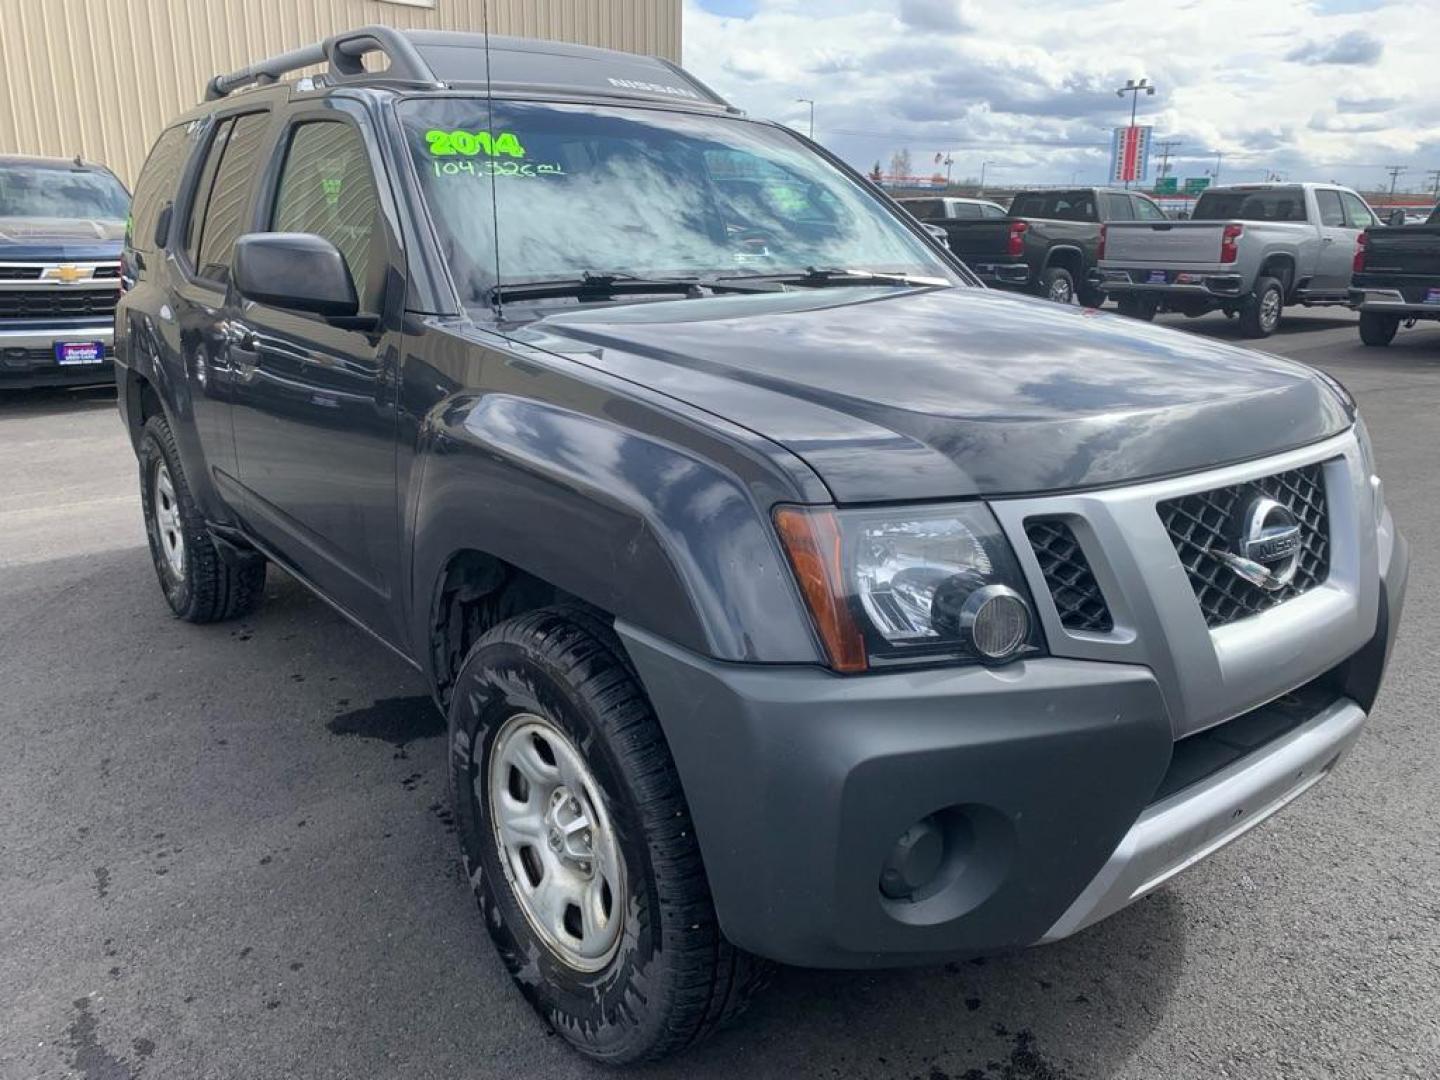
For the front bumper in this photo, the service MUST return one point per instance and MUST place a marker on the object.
(1391, 302)
(28, 358)
(1067, 787)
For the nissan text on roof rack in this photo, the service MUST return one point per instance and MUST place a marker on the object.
(789, 596)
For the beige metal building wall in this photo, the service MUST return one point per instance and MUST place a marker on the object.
(102, 77)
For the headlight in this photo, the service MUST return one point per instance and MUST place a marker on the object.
(893, 586)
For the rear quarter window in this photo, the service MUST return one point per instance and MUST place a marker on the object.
(157, 185)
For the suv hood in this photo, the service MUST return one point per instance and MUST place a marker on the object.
(60, 238)
(941, 393)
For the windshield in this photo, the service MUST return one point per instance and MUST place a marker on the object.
(48, 191)
(613, 191)
(1272, 204)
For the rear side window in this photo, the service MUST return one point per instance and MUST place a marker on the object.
(1118, 208)
(225, 213)
(1059, 205)
(326, 188)
(156, 187)
(925, 209)
(1272, 204)
(1331, 212)
(1357, 214)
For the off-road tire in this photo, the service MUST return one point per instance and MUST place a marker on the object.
(1377, 328)
(1137, 307)
(1255, 317)
(1058, 280)
(210, 589)
(674, 978)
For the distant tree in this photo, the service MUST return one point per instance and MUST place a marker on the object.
(875, 174)
(900, 163)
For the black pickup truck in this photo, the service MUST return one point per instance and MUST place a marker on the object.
(61, 226)
(1397, 278)
(1050, 243)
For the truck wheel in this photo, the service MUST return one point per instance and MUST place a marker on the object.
(1377, 328)
(1260, 311)
(1090, 297)
(1137, 307)
(1057, 285)
(579, 846)
(198, 583)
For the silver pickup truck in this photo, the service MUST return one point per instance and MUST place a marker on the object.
(1248, 250)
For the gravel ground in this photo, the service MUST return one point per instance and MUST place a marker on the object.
(225, 851)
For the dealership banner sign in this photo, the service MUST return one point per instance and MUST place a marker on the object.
(1130, 155)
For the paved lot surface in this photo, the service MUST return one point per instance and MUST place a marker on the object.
(224, 851)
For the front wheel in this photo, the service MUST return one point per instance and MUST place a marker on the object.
(1260, 311)
(1378, 329)
(200, 585)
(1058, 285)
(578, 843)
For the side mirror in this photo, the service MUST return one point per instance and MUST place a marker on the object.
(295, 271)
(1397, 217)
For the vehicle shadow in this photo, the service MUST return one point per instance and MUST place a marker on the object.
(1216, 325)
(1075, 1010)
(56, 401)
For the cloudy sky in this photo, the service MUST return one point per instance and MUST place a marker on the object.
(1311, 89)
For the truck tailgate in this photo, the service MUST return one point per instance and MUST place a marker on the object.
(979, 241)
(1162, 244)
(1413, 250)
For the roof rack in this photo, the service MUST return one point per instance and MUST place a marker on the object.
(345, 53)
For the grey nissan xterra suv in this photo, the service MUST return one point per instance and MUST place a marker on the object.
(791, 596)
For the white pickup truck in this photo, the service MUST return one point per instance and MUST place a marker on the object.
(1248, 250)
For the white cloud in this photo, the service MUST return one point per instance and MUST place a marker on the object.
(1029, 85)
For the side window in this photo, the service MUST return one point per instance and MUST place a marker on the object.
(1145, 210)
(1331, 212)
(1357, 214)
(1118, 208)
(202, 189)
(326, 188)
(225, 217)
(988, 211)
(156, 185)
(967, 211)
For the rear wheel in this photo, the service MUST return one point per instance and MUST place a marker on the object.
(579, 845)
(1137, 307)
(1260, 311)
(1057, 285)
(199, 584)
(1377, 328)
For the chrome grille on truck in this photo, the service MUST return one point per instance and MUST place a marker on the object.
(1073, 587)
(57, 303)
(1209, 520)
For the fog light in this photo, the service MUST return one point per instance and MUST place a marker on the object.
(997, 621)
(914, 860)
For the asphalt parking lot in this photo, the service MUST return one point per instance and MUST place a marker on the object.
(225, 851)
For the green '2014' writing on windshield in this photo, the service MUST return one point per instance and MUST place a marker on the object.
(470, 143)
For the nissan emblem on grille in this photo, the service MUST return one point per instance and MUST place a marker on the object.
(1269, 546)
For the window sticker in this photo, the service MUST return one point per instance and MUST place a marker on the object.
(496, 168)
(471, 143)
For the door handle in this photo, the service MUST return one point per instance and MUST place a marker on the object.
(1327, 240)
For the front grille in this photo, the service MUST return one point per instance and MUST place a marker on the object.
(1067, 572)
(20, 273)
(57, 303)
(106, 272)
(1211, 519)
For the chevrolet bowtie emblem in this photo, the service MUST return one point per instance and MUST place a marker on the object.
(67, 273)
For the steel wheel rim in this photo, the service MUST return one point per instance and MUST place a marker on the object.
(555, 840)
(1270, 308)
(1060, 291)
(168, 530)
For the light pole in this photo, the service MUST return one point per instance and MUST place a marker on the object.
(1215, 175)
(811, 103)
(1135, 89)
(983, 165)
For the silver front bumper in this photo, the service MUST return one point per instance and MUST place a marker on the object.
(32, 338)
(1194, 823)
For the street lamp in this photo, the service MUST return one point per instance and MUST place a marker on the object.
(1135, 89)
(983, 166)
(811, 103)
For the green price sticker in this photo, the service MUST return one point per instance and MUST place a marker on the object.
(471, 143)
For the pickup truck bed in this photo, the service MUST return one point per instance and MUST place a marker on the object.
(1397, 279)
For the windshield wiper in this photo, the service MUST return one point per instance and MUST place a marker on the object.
(591, 286)
(816, 276)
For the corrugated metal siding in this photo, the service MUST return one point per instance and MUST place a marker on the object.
(102, 77)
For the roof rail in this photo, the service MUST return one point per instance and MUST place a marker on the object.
(346, 54)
